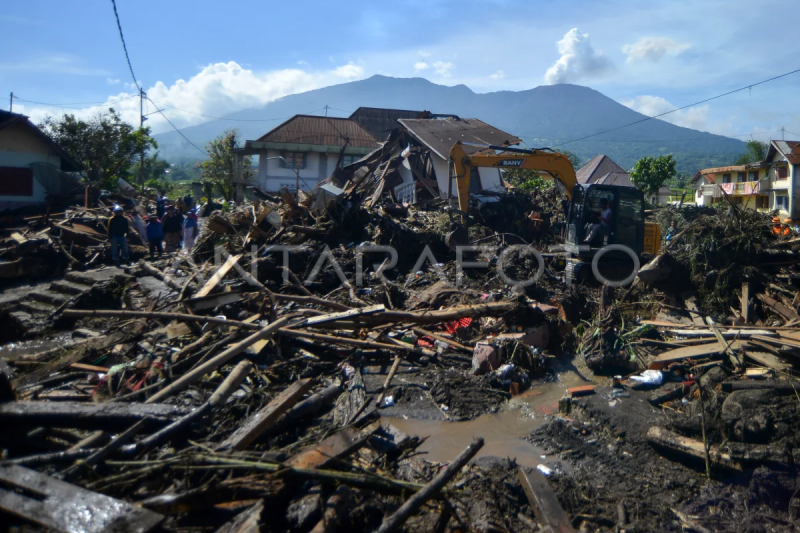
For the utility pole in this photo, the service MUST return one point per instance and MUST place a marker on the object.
(783, 131)
(141, 131)
(326, 110)
(11, 103)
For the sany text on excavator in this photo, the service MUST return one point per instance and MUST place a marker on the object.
(597, 215)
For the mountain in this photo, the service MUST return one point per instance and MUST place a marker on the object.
(543, 116)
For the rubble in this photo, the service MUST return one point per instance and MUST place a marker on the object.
(206, 388)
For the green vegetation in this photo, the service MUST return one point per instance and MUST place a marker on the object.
(218, 171)
(755, 152)
(651, 173)
(526, 180)
(106, 146)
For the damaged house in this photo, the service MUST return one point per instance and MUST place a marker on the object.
(32, 166)
(413, 164)
(305, 150)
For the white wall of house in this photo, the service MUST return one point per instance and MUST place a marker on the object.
(20, 147)
(272, 176)
(490, 177)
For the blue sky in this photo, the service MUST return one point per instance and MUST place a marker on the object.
(214, 57)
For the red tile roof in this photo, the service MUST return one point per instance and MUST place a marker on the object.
(324, 131)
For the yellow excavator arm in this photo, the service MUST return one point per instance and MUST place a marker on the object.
(556, 165)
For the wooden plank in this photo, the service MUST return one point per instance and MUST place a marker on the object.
(332, 317)
(85, 415)
(202, 303)
(768, 360)
(735, 359)
(246, 521)
(337, 446)
(52, 503)
(746, 302)
(218, 275)
(780, 341)
(691, 352)
(551, 517)
(778, 307)
(694, 313)
(262, 420)
(728, 333)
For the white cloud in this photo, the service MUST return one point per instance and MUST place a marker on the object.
(420, 66)
(112, 81)
(693, 117)
(443, 68)
(653, 49)
(54, 64)
(349, 71)
(303, 62)
(423, 53)
(499, 75)
(578, 60)
(216, 90)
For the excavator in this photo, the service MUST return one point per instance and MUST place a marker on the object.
(585, 232)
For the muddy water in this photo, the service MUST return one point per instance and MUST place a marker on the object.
(501, 431)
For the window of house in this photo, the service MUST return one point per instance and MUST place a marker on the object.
(349, 159)
(782, 202)
(740, 177)
(762, 202)
(753, 176)
(782, 173)
(726, 178)
(293, 160)
(16, 181)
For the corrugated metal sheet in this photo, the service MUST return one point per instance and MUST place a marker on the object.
(597, 167)
(324, 131)
(791, 150)
(380, 122)
(440, 134)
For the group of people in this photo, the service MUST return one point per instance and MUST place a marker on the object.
(786, 228)
(168, 229)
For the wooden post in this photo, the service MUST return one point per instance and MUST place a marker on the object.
(746, 302)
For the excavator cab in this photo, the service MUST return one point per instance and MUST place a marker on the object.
(599, 216)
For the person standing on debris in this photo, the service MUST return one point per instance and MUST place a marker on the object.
(190, 230)
(118, 229)
(155, 234)
(138, 225)
(161, 206)
(671, 231)
(173, 226)
(776, 225)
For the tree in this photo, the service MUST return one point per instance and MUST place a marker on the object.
(219, 168)
(105, 145)
(755, 152)
(154, 168)
(525, 179)
(651, 173)
(574, 159)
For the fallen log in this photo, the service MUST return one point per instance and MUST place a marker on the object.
(549, 514)
(307, 407)
(217, 361)
(171, 282)
(415, 502)
(253, 427)
(334, 509)
(84, 415)
(61, 506)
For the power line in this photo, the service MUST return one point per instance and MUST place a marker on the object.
(176, 129)
(124, 46)
(534, 137)
(69, 105)
(684, 107)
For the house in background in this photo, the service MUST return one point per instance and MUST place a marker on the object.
(438, 135)
(601, 169)
(747, 185)
(32, 166)
(311, 145)
(769, 185)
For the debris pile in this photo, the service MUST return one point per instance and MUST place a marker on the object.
(251, 384)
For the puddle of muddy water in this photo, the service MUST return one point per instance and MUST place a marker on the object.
(14, 350)
(502, 432)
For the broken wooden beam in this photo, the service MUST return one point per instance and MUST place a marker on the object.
(778, 307)
(550, 515)
(691, 352)
(336, 447)
(84, 415)
(61, 506)
(253, 427)
(396, 520)
(307, 407)
(171, 282)
(218, 276)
